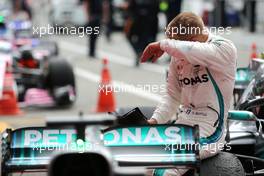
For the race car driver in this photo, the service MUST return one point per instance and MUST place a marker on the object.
(201, 79)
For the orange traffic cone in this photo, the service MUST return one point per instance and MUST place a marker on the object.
(254, 51)
(8, 102)
(106, 102)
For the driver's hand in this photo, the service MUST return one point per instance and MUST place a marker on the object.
(152, 121)
(152, 52)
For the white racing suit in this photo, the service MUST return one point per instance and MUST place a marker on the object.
(201, 78)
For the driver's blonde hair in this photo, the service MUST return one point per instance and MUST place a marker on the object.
(185, 26)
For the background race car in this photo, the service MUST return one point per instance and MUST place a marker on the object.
(43, 78)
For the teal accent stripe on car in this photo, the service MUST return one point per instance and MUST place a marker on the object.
(219, 129)
(13, 141)
(159, 172)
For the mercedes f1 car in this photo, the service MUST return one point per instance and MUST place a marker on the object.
(106, 145)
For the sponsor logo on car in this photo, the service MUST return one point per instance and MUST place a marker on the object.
(142, 135)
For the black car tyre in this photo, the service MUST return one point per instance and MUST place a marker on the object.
(60, 74)
(224, 164)
(87, 163)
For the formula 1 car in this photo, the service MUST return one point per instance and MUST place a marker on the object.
(244, 76)
(69, 146)
(41, 80)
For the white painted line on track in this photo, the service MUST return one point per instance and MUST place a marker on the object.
(118, 84)
(112, 57)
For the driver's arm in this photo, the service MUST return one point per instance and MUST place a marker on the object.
(219, 55)
(170, 101)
